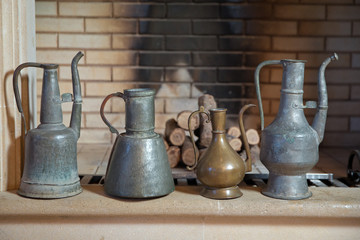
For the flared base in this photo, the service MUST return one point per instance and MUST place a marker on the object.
(287, 187)
(138, 168)
(221, 193)
(47, 191)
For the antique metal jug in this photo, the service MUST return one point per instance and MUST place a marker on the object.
(50, 167)
(138, 166)
(220, 169)
(289, 145)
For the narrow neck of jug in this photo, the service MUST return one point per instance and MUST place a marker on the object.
(140, 111)
(50, 112)
(218, 118)
(291, 99)
(293, 76)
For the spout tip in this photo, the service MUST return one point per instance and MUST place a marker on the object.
(334, 57)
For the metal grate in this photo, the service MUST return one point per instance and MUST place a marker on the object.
(251, 180)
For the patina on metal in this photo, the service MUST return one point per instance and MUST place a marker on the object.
(50, 166)
(220, 168)
(138, 166)
(289, 145)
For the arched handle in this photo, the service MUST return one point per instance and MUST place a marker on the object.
(117, 94)
(244, 137)
(196, 150)
(354, 175)
(16, 87)
(257, 86)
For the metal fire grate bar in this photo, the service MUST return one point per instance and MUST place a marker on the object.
(248, 180)
(256, 178)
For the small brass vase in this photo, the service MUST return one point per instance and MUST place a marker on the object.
(220, 169)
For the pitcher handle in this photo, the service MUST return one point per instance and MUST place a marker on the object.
(111, 128)
(16, 87)
(196, 150)
(257, 86)
(248, 161)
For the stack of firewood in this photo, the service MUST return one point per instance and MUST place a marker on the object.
(178, 143)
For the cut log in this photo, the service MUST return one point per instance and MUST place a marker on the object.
(166, 144)
(205, 134)
(173, 156)
(252, 136)
(234, 131)
(183, 117)
(174, 134)
(235, 143)
(187, 152)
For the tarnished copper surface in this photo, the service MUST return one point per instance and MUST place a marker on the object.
(220, 168)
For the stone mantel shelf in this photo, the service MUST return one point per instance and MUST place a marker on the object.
(186, 201)
(184, 214)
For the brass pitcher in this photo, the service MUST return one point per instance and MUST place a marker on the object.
(289, 145)
(220, 168)
(138, 166)
(50, 167)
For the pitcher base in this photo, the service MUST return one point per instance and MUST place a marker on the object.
(221, 193)
(287, 187)
(47, 191)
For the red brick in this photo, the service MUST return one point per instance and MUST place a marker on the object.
(343, 12)
(356, 28)
(336, 139)
(45, 8)
(268, 27)
(298, 44)
(84, 41)
(45, 24)
(299, 11)
(85, 9)
(110, 25)
(345, 44)
(46, 40)
(111, 57)
(316, 28)
(355, 92)
(344, 108)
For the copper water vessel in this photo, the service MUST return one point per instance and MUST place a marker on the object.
(220, 169)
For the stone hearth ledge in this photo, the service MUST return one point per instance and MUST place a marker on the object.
(330, 213)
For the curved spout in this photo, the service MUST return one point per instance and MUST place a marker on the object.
(320, 118)
(75, 122)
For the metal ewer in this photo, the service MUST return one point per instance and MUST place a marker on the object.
(138, 166)
(220, 169)
(50, 166)
(289, 145)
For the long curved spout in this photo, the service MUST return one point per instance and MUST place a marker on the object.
(320, 118)
(75, 122)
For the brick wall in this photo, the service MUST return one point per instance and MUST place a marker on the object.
(189, 47)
